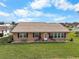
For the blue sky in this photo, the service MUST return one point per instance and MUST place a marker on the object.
(39, 10)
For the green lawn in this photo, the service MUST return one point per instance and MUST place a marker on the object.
(39, 51)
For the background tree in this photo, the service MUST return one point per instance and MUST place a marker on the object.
(1, 23)
(13, 23)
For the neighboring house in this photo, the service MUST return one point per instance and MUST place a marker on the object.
(38, 31)
(70, 24)
(5, 29)
(76, 30)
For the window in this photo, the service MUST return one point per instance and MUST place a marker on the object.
(59, 35)
(63, 35)
(50, 35)
(22, 35)
(36, 34)
(55, 35)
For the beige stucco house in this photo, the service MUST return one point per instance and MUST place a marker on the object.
(39, 32)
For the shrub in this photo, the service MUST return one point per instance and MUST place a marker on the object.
(7, 39)
(71, 36)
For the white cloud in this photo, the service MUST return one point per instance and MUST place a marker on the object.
(39, 4)
(33, 15)
(62, 4)
(2, 4)
(60, 18)
(76, 7)
(59, 4)
(4, 14)
(65, 5)
(21, 12)
(28, 13)
(57, 18)
(24, 20)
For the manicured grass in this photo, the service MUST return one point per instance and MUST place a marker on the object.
(39, 51)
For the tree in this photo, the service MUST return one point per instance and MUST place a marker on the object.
(1, 23)
(13, 23)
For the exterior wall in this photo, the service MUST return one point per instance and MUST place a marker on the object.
(31, 39)
(15, 37)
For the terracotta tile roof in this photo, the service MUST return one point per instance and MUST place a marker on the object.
(39, 27)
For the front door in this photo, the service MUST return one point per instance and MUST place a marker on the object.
(45, 36)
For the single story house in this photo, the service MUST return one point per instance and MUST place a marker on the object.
(39, 31)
